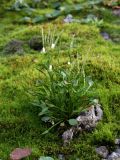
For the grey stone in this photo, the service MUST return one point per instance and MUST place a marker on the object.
(113, 156)
(117, 141)
(61, 157)
(116, 12)
(68, 18)
(99, 112)
(105, 35)
(102, 151)
(87, 121)
(117, 150)
(68, 136)
(90, 118)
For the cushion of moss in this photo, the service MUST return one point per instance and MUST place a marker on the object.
(19, 124)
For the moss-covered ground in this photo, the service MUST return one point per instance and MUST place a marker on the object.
(19, 122)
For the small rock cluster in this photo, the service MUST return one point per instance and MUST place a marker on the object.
(104, 152)
(87, 121)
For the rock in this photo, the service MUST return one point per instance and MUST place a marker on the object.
(113, 156)
(19, 153)
(102, 151)
(86, 122)
(117, 141)
(117, 150)
(116, 12)
(14, 47)
(35, 43)
(68, 18)
(68, 136)
(105, 35)
(98, 111)
(61, 157)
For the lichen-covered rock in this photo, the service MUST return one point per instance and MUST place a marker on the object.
(102, 151)
(86, 122)
(35, 43)
(14, 47)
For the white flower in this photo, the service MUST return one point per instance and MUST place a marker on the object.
(90, 83)
(52, 122)
(53, 45)
(69, 63)
(43, 50)
(62, 8)
(50, 67)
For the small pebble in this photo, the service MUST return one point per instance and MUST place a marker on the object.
(68, 19)
(117, 141)
(105, 35)
(61, 157)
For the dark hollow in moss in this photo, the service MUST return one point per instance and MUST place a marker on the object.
(35, 43)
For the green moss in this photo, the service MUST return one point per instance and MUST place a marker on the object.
(19, 122)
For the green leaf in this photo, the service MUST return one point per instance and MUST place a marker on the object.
(45, 158)
(63, 74)
(44, 111)
(45, 132)
(39, 19)
(26, 20)
(55, 14)
(78, 7)
(73, 122)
